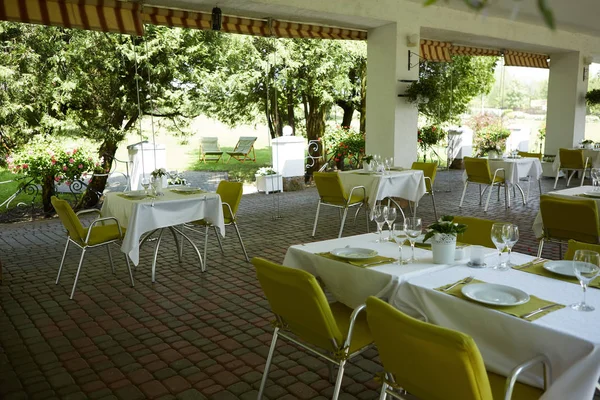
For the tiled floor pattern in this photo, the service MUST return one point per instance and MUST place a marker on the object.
(189, 335)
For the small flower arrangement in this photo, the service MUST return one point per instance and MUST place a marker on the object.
(367, 158)
(264, 171)
(159, 173)
(587, 141)
(445, 225)
(176, 178)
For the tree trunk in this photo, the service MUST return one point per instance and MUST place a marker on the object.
(363, 101)
(348, 109)
(47, 193)
(96, 187)
(315, 124)
(290, 109)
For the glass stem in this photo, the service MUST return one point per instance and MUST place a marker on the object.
(584, 291)
(380, 232)
(412, 248)
(509, 252)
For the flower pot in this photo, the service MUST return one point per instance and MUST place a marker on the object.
(157, 186)
(367, 166)
(443, 247)
(493, 154)
(269, 183)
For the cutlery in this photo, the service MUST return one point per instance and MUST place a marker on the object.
(539, 310)
(463, 282)
(530, 263)
(375, 263)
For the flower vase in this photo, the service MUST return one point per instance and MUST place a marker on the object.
(443, 247)
(367, 166)
(157, 186)
(492, 154)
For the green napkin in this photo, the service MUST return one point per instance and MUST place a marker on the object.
(538, 269)
(364, 172)
(186, 192)
(587, 196)
(533, 304)
(133, 198)
(369, 262)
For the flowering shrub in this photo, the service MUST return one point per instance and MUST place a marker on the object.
(344, 143)
(429, 136)
(263, 171)
(43, 159)
(491, 138)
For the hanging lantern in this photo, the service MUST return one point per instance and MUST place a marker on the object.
(216, 19)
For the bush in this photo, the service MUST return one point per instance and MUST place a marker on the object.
(429, 136)
(491, 138)
(344, 143)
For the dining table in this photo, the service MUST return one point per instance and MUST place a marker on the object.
(408, 184)
(141, 214)
(568, 338)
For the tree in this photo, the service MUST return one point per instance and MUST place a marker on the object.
(516, 96)
(449, 87)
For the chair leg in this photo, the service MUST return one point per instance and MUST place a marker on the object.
(241, 242)
(263, 381)
(556, 179)
(539, 186)
(77, 274)
(383, 394)
(582, 177)
(343, 222)
(62, 261)
(488, 198)
(434, 209)
(206, 242)
(570, 176)
(112, 265)
(129, 268)
(316, 219)
(338, 382)
(540, 248)
(465, 191)
(219, 240)
(156, 256)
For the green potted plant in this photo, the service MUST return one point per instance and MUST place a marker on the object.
(587, 144)
(491, 141)
(366, 162)
(268, 180)
(429, 136)
(444, 232)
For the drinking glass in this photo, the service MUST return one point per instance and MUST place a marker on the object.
(378, 216)
(145, 184)
(413, 229)
(586, 265)
(390, 215)
(399, 228)
(387, 164)
(595, 173)
(510, 235)
(497, 236)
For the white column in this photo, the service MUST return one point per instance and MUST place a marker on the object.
(391, 121)
(565, 120)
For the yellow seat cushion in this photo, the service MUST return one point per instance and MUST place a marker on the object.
(103, 233)
(361, 335)
(521, 391)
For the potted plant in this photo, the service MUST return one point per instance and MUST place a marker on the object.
(429, 136)
(366, 161)
(444, 232)
(587, 144)
(268, 180)
(491, 140)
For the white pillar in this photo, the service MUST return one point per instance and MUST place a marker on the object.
(565, 120)
(391, 121)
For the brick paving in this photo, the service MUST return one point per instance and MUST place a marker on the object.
(189, 335)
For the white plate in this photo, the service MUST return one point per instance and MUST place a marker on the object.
(563, 267)
(134, 195)
(354, 253)
(592, 194)
(184, 189)
(496, 295)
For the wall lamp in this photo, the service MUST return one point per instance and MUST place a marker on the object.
(216, 19)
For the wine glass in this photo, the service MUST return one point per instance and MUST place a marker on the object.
(387, 163)
(378, 216)
(586, 265)
(510, 235)
(412, 229)
(145, 184)
(399, 228)
(390, 215)
(497, 236)
(595, 173)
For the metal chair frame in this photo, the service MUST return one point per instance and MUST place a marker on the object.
(432, 196)
(488, 186)
(339, 360)
(85, 247)
(345, 207)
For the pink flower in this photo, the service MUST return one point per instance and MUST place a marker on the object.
(25, 166)
(80, 166)
(68, 183)
(57, 178)
(89, 158)
(71, 161)
(74, 151)
(68, 152)
(53, 161)
(64, 167)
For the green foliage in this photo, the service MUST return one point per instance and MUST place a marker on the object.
(449, 87)
(429, 136)
(237, 171)
(480, 121)
(445, 225)
(593, 97)
(491, 138)
(344, 144)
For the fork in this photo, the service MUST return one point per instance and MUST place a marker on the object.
(530, 263)
(539, 310)
(463, 282)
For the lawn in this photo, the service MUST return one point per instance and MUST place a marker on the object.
(239, 171)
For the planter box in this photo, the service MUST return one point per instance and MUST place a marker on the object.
(269, 183)
(547, 170)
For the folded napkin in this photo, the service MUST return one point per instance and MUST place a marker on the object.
(587, 196)
(537, 268)
(141, 197)
(369, 262)
(533, 304)
(185, 192)
(364, 172)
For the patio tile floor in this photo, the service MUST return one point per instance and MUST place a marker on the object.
(189, 335)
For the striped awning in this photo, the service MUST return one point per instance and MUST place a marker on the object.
(473, 51)
(98, 15)
(286, 29)
(432, 50)
(520, 59)
(178, 18)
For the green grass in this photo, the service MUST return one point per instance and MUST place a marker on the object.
(8, 186)
(240, 171)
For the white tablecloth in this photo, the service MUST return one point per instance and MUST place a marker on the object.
(140, 216)
(408, 184)
(570, 193)
(593, 154)
(569, 338)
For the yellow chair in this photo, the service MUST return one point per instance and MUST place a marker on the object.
(525, 154)
(429, 171)
(332, 193)
(436, 363)
(564, 219)
(87, 238)
(333, 332)
(478, 231)
(571, 160)
(478, 171)
(574, 245)
(231, 195)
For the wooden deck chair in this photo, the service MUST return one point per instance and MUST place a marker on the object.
(209, 149)
(243, 148)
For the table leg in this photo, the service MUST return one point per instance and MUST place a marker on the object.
(179, 251)
(156, 255)
(202, 268)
